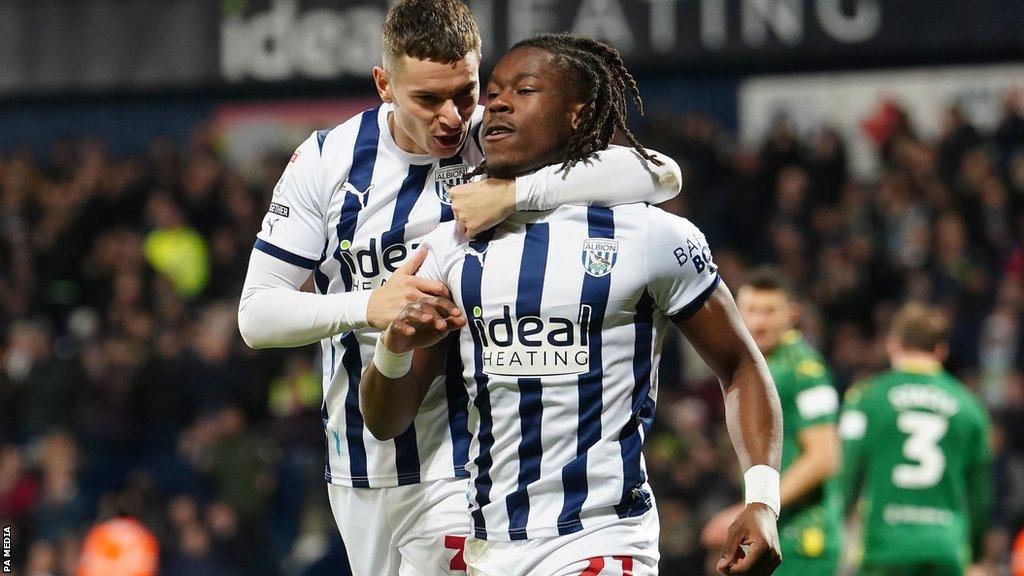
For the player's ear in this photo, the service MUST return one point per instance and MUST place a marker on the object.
(383, 84)
(576, 114)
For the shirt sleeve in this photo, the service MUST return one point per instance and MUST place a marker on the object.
(617, 175)
(294, 228)
(853, 431)
(681, 274)
(817, 401)
(274, 313)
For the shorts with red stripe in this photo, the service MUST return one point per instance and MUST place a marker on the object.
(626, 547)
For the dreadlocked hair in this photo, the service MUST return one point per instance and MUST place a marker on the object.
(602, 82)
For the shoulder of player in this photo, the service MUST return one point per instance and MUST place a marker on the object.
(665, 225)
(337, 143)
(807, 362)
(969, 399)
(444, 242)
(861, 390)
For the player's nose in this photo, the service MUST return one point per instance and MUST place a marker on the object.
(450, 116)
(499, 104)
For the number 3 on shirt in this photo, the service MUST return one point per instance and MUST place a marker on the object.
(925, 430)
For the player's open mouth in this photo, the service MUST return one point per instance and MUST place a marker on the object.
(497, 131)
(449, 141)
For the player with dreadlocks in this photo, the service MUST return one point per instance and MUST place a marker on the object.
(565, 312)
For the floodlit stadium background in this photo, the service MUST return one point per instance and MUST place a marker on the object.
(873, 149)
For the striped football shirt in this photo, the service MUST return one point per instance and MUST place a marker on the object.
(567, 310)
(351, 206)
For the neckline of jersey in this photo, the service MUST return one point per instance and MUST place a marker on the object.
(919, 367)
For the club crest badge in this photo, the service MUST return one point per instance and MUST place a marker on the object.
(599, 256)
(445, 177)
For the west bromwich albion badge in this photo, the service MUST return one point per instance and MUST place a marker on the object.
(445, 177)
(599, 255)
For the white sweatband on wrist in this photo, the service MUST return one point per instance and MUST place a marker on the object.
(389, 364)
(762, 485)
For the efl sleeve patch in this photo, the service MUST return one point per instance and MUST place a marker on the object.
(279, 209)
(810, 368)
(817, 402)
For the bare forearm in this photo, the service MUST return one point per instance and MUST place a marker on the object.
(754, 415)
(388, 405)
(752, 410)
(803, 476)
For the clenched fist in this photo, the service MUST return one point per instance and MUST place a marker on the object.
(752, 545)
(423, 324)
(480, 206)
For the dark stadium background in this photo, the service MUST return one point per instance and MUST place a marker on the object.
(873, 149)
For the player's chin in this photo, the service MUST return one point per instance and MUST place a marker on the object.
(502, 165)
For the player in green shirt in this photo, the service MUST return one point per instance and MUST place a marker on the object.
(810, 526)
(916, 451)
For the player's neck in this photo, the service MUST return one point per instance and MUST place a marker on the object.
(788, 337)
(916, 362)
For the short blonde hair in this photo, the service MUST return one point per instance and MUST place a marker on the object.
(919, 327)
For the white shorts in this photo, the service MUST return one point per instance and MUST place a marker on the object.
(627, 547)
(416, 530)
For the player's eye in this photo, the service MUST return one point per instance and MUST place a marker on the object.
(523, 91)
(428, 99)
(492, 95)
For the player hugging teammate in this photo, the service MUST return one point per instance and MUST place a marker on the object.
(349, 211)
(537, 317)
(558, 485)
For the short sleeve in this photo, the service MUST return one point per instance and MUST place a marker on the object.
(441, 244)
(293, 229)
(853, 424)
(817, 401)
(681, 273)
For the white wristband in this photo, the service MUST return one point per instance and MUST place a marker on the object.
(762, 485)
(389, 364)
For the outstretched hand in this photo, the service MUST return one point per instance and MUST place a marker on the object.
(480, 206)
(752, 544)
(423, 324)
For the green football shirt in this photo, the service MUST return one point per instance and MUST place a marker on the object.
(812, 526)
(916, 450)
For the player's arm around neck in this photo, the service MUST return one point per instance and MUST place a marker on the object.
(614, 176)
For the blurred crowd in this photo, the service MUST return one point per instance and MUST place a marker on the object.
(126, 390)
(942, 221)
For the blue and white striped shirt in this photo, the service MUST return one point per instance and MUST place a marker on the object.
(567, 310)
(351, 206)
